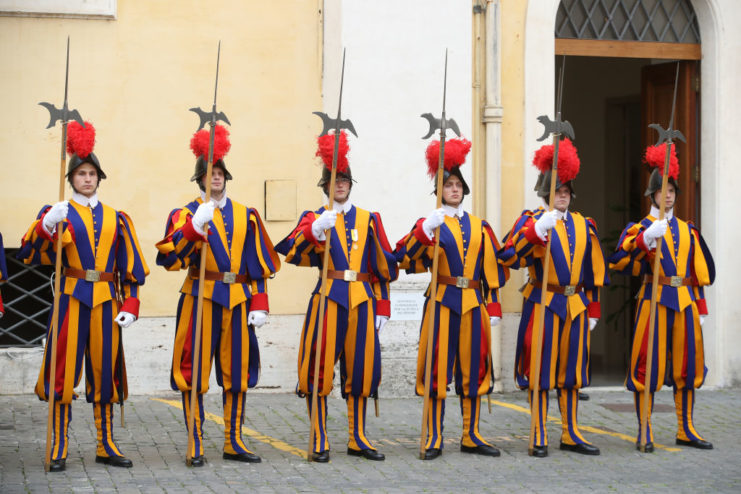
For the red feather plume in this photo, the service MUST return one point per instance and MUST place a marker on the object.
(80, 140)
(326, 150)
(655, 156)
(568, 160)
(199, 143)
(456, 151)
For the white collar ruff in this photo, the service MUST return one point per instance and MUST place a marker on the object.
(219, 204)
(82, 200)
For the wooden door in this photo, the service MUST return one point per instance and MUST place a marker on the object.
(657, 90)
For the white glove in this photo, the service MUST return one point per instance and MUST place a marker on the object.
(494, 320)
(656, 230)
(257, 318)
(125, 319)
(57, 213)
(546, 222)
(433, 220)
(702, 319)
(202, 216)
(325, 221)
(381, 322)
(592, 323)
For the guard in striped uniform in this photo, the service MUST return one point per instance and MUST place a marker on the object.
(686, 268)
(239, 261)
(357, 302)
(577, 271)
(466, 303)
(102, 265)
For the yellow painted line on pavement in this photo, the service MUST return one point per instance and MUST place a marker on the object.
(276, 443)
(593, 430)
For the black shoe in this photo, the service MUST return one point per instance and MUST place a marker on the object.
(432, 453)
(368, 454)
(481, 449)
(540, 451)
(581, 448)
(697, 443)
(243, 457)
(321, 456)
(114, 461)
(583, 397)
(649, 447)
(198, 461)
(58, 465)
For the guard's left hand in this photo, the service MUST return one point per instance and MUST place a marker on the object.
(592, 322)
(257, 318)
(494, 320)
(125, 319)
(381, 322)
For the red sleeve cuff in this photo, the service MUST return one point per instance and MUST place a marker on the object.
(190, 232)
(383, 308)
(419, 234)
(531, 235)
(642, 243)
(594, 309)
(41, 231)
(131, 305)
(259, 302)
(494, 309)
(309, 234)
(702, 306)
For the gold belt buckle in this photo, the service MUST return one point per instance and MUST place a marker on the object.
(676, 281)
(229, 278)
(350, 275)
(461, 281)
(569, 290)
(92, 275)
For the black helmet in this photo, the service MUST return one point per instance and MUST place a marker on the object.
(200, 169)
(327, 175)
(75, 161)
(544, 189)
(654, 183)
(455, 171)
(80, 144)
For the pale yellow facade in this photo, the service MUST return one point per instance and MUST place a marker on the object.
(134, 78)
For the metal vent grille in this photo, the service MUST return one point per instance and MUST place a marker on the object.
(664, 21)
(28, 300)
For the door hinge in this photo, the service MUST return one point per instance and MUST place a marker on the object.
(696, 83)
(697, 174)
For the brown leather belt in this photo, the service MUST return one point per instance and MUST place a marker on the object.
(675, 281)
(567, 290)
(459, 281)
(88, 274)
(227, 277)
(348, 275)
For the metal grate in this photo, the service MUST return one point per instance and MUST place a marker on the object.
(664, 21)
(28, 299)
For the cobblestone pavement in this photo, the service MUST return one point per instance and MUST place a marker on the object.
(277, 429)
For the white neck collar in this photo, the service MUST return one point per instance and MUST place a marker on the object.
(219, 204)
(655, 213)
(345, 207)
(454, 211)
(82, 200)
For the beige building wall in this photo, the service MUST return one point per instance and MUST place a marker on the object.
(134, 78)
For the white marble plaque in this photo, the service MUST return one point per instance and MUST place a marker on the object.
(407, 306)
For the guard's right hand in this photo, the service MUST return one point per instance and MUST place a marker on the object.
(656, 230)
(433, 220)
(203, 215)
(55, 214)
(546, 222)
(326, 220)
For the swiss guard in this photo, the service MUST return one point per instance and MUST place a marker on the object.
(577, 272)
(361, 266)
(103, 268)
(240, 259)
(466, 303)
(686, 267)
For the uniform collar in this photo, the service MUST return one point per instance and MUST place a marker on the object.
(85, 201)
(655, 213)
(219, 204)
(453, 212)
(345, 207)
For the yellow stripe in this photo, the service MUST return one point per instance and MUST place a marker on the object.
(587, 428)
(276, 443)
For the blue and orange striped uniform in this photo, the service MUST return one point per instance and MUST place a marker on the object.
(239, 244)
(357, 242)
(101, 239)
(462, 329)
(3, 273)
(677, 332)
(577, 272)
